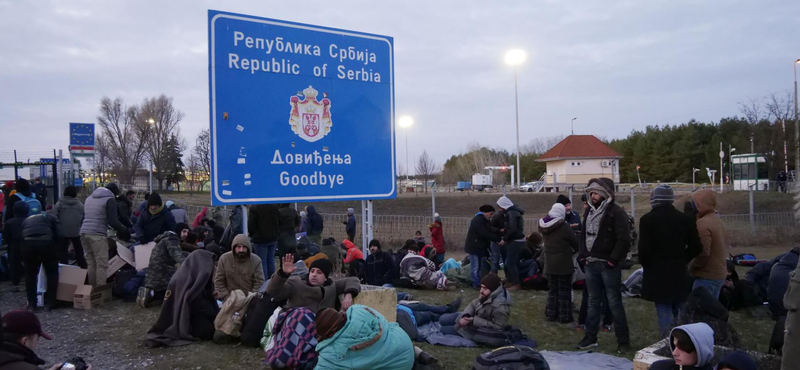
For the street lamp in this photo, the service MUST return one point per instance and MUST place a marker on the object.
(730, 165)
(152, 122)
(514, 58)
(694, 171)
(406, 122)
(796, 124)
(572, 126)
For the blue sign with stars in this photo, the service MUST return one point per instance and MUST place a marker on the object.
(81, 135)
(299, 112)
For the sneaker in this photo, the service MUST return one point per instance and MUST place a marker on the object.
(577, 327)
(623, 348)
(587, 343)
(607, 328)
(142, 297)
(454, 305)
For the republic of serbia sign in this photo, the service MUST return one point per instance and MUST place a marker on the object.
(299, 112)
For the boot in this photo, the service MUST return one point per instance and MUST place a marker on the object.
(454, 305)
(143, 297)
(513, 287)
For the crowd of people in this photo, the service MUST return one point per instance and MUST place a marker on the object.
(222, 284)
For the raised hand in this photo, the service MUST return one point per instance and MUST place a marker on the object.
(288, 264)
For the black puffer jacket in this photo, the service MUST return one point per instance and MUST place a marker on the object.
(779, 281)
(479, 235)
(614, 236)
(315, 225)
(515, 225)
(41, 227)
(12, 229)
(759, 275)
(262, 223)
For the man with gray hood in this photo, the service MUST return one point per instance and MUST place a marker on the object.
(100, 213)
(692, 348)
(604, 243)
(513, 239)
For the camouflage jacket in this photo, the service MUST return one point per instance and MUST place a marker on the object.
(164, 261)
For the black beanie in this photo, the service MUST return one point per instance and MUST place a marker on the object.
(375, 242)
(154, 200)
(326, 242)
(113, 187)
(324, 265)
(563, 199)
(302, 249)
(486, 208)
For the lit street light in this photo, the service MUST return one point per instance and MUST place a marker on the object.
(515, 57)
(152, 122)
(406, 122)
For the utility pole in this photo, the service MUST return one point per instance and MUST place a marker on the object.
(796, 126)
(721, 172)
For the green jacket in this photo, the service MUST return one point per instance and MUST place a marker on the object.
(367, 341)
(491, 313)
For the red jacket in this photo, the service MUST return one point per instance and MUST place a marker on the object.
(437, 236)
(199, 218)
(353, 253)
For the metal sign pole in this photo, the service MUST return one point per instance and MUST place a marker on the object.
(433, 201)
(364, 232)
(244, 220)
(369, 221)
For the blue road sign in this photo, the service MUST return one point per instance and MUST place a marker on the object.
(299, 112)
(81, 138)
(78, 182)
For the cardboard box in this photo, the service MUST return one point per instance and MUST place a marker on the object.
(86, 297)
(69, 279)
(383, 300)
(142, 255)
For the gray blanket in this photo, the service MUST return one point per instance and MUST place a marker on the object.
(432, 332)
(567, 360)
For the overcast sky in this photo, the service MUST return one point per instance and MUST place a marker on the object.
(616, 65)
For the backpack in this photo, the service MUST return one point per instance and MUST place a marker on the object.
(255, 319)
(34, 206)
(511, 358)
(494, 338)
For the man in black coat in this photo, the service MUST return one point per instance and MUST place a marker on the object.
(290, 220)
(263, 226)
(498, 223)
(513, 239)
(380, 268)
(479, 235)
(572, 218)
(40, 248)
(668, 240)
(604, 243)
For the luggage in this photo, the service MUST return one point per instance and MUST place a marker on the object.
(121, 278)
(256, 317)
(511, 358)
(496, 338)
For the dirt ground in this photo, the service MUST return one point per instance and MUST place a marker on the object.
(111, 336)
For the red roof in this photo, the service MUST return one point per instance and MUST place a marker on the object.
(579, 146)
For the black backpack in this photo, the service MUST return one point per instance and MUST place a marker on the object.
(511, 358)
(494, 338)
(258, 313)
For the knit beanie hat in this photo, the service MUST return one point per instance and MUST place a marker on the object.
(328, 322)
(324, 265)
(154, 200)
(535, 239)
(504, 202)
(301, 249)
(376, 243)
(180, 226)
(113, 187)
(737, 360)
(662, 195)
(350, 211)
(557, 211)
(326, 242)
(563, 199)
(491, 281)
(486, 208)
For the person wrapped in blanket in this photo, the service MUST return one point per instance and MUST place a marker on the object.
(421, 272)
(490, 310)
(294, 330)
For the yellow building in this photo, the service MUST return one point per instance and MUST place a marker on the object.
(579, 158)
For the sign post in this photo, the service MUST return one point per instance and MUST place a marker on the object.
(81, 139)
(299, 113)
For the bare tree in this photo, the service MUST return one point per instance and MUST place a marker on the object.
(124, 138)
(102, 162)
(780, 108)
(540, 145)
(163, 118)
(426, 168)
(753, 111)
(201, 152)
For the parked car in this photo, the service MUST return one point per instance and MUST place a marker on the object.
(529, 187)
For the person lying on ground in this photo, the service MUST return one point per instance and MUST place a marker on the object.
(189, 309)
(490, 310)
(736, 361)
(361, 338)
(737, 293)
(317, 291)
(413, 314)
(692, 348)
(20, 337)
(380, 268)
(421, 272)
(238, 269)
(312, 248)
(165, 260)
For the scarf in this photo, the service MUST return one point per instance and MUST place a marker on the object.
(156, 211)
(593, 223)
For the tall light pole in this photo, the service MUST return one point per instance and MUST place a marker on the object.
(515, 57)
(730, 165)
(796, 125)
(152, 122)
(406, 122)
(572, 126)
(694, 172)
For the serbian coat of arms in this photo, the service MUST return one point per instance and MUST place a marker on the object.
(310, 119)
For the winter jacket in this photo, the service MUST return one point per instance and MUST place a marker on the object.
(759, 275)
(149, 226)
(179, 214)
(235, 227)
(14, 356)
(613, 239)
(703, 338)
(165, 259)
(380, 269)
(303, 225)
(11, 200)
(246, 275)
(668, 240)
(41, 227)
(12, 229)
(299, 293)
(560, 244)
(514, 224)
(198, 219)
(69, 212)
(350, 225)
(353, 253)
(366, 341)
(573, 217)
(289, 218)
(100, 213)
(492, 313)
(124, 210)
(710, 264)
(498, 221)
(779, 281)
(314, 225)
(437, 237)
(262, 223)
(479, 235)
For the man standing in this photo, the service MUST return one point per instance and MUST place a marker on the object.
(69, 212)
(668, 240)
(288, 223)
(791, 341)
(263, 224)
(40, 192)
(479, 235)
(178, 213)
(605, 241)
(572, 218)
(314, 225)
(238, 269)
(709, 268)
(40, 248)
(100, 213)
(350, 226)
(513, 239)
(125, 208)
(498, 223)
